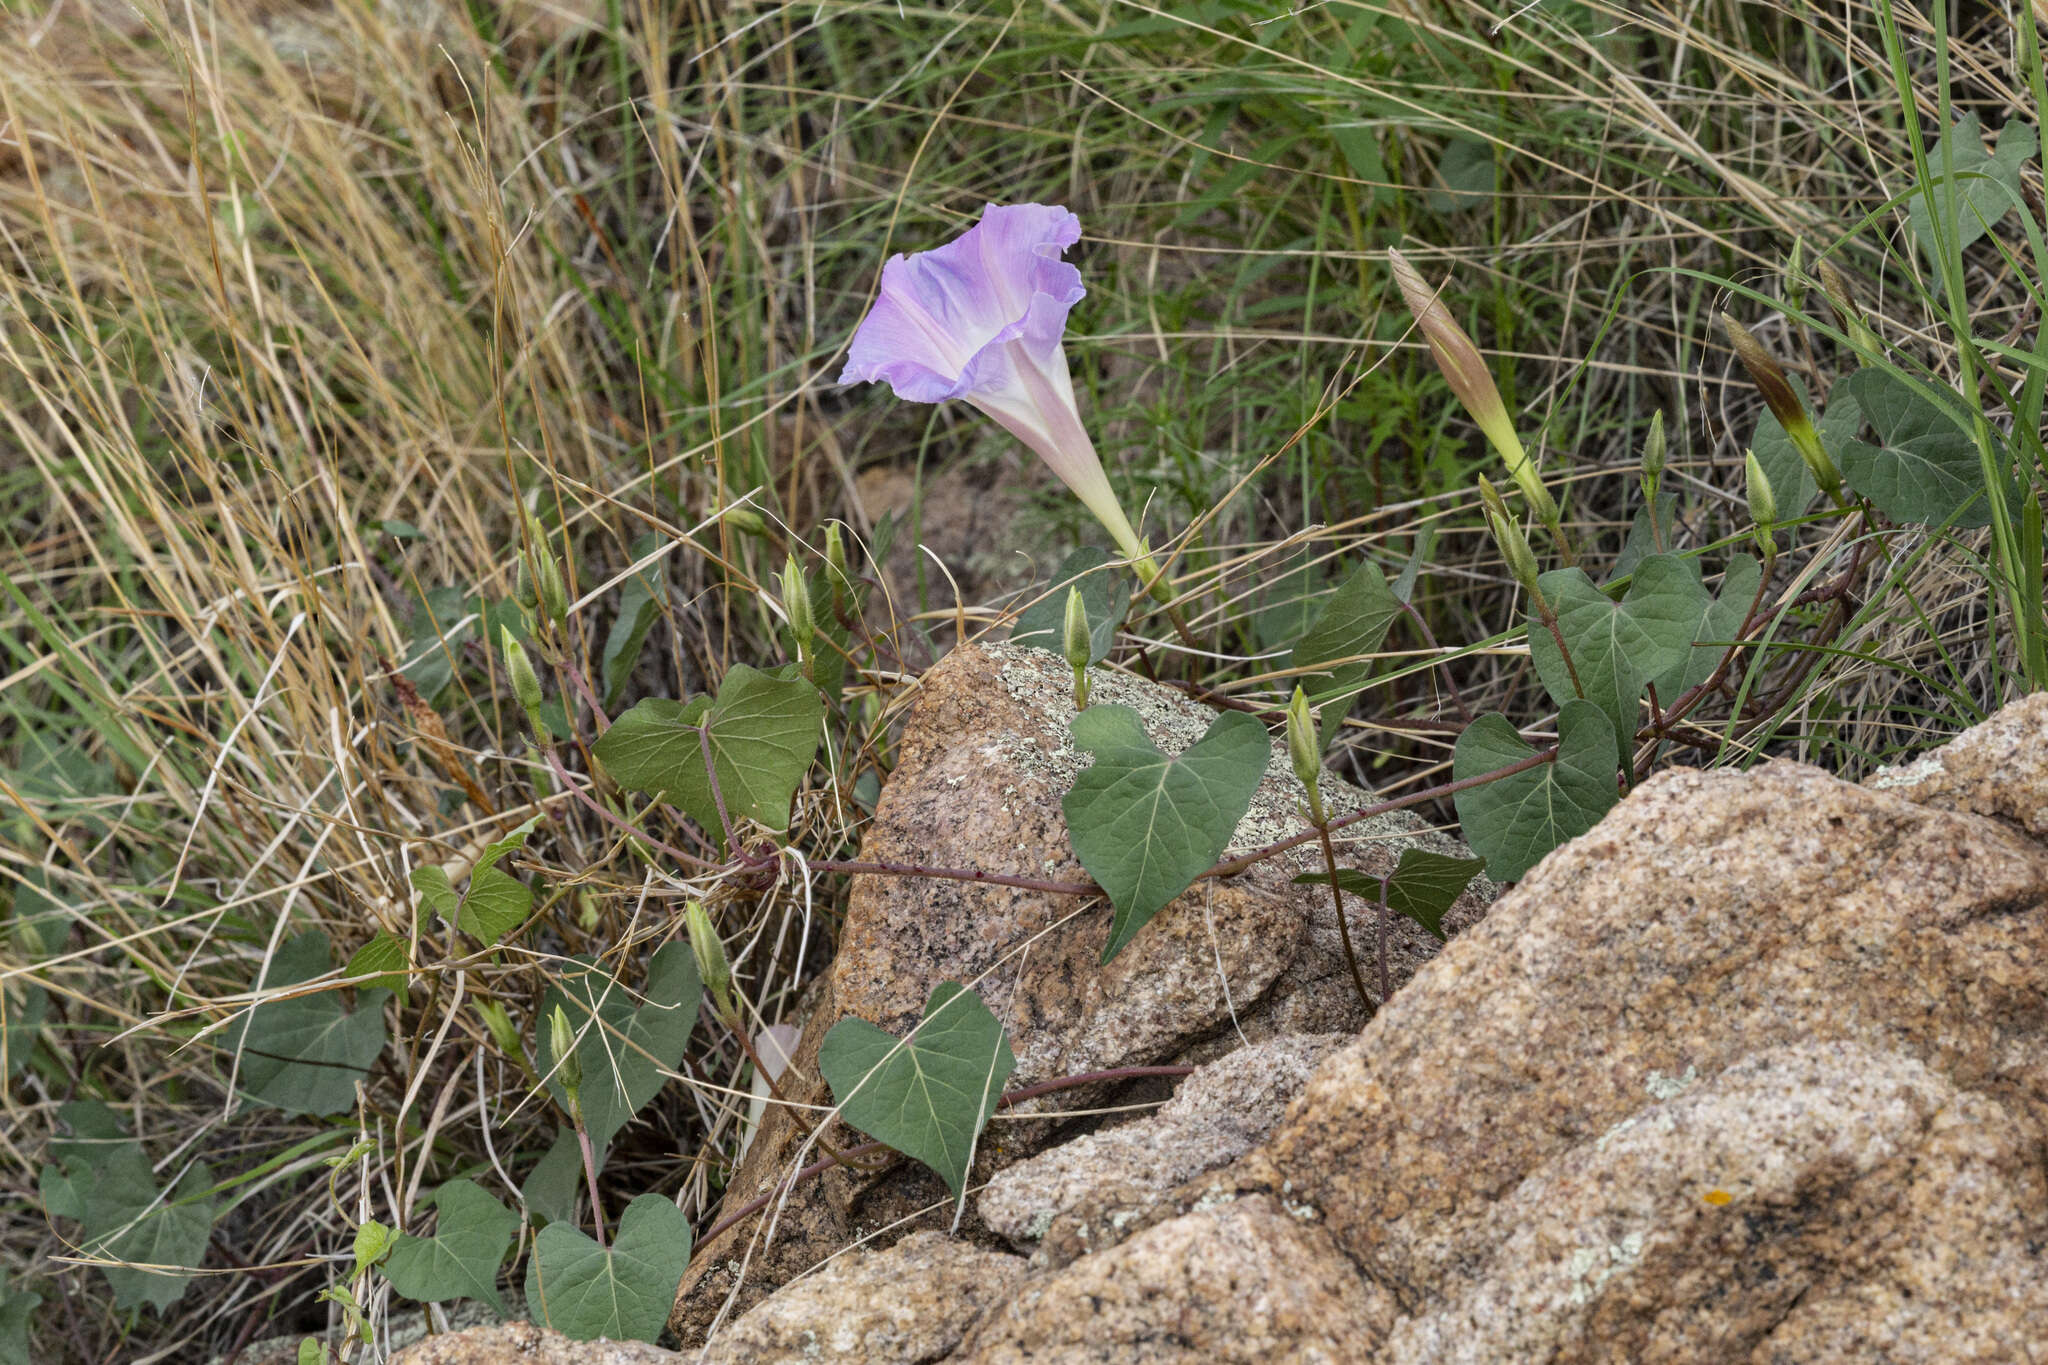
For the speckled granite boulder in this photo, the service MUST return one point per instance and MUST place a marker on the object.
(1755, 1070)
(522, 1343)
(1217, 1115)
(982, 766)
(1999, 768)
(910, 1303)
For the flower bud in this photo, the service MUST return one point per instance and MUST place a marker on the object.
(796, 604)
(1464, 369)
(550, 593)
(525, 682)
(1507, 534)
(1842, 298)
(568, 1067)
(1077, 644)
(498, 1022)
(709, 950)
(1763, 503)
(745, 519)
(1783, 401)
(1653, 451)
(1304, 743)
(840, 575)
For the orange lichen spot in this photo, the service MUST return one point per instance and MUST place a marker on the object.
(1717, 1197)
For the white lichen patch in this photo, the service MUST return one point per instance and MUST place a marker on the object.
(1663, 1087)
(1590, 1268)
(1907, 774)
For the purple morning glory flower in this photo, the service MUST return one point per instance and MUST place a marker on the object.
(981, 319)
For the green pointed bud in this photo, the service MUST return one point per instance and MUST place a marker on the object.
(745, 519)
(551, 595)
(1763, 503)
(841, 576)
(525, 682)
(1507, 534)
(1783, 401)
(498, 1023)
(1305, 745)
(1841, 297)
(1077, 645)
(796, 604)
(709, 950)
(568, 1067)
(1653, 452)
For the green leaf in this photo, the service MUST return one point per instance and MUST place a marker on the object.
(1617, 647)
(495, 902)
(1924, 467)
(304, 1055)
(624, 1041)
(1145, 825)
(1791, 481)
(1644, 534)
(1353, 623)
(1979, 187)
(1106, 592)
(17, 1308)
(928, 1096)
(21, 1019)
(556, 1180)
(383, 957)
(1515, 821)
(372, 1244)
(461, 1259)
(313, 1351)
(1426, 885)
(639, 608)
(1423, 886)
(585, 1291)
(103, 1181)
(436, 892)
(763, 735)
(1720, 617)
(1466, 175)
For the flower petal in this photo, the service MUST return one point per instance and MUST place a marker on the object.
(942, 316)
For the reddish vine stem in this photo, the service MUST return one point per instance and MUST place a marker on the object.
(1009, 1098)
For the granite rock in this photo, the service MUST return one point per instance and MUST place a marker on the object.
(522, 1343)
(1219, 1113)
(982, 765)
(912, 1302)
(1999, 768)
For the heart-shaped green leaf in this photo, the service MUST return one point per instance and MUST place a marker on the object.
(624, 1041)
(1719, 619)
(461, 1259)
(1146, 825)
(17, 1309)
(1972, 188)
(383, 958)
(103, 1179)
(929, 1095)
(1514, 821)
(1423, 886)
(305, 1054)
(624, 1292)
(1105, 592)
(1617, 647)
(1924, 467)
(1354, 623)
(763, 732)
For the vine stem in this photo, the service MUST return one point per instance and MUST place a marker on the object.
(1008, 1099)
(1343, 924)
